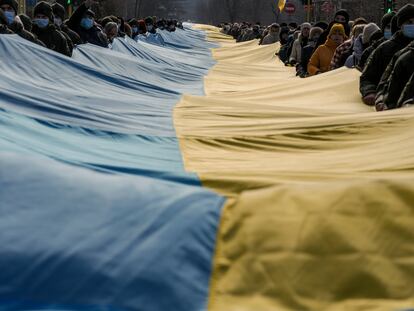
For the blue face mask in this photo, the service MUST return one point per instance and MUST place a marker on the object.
(86, 23)
(387, 34)
(408, 31)
(10, 15)
(134, 29)
(41, 22)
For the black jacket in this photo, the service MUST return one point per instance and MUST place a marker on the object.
(402, 70)
(52, 38)
(368, 51)
(19, 30)
(407, 96)
(378, 62)
(92, 35)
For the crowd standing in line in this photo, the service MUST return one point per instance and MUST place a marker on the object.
(50, 29)
(383, 53)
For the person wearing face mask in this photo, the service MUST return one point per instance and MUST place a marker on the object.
(4, 30)
(300, 43)
(388, 28)
(321, 60)
(111, 32)
(71, 36)
(341, 17)
(149, 22)
(14, 22)
(345, 49)
(134, 28)
(381, 57)
(272, 36)
(307, 51)
(82, 22)
(361, 42)
(46, 31)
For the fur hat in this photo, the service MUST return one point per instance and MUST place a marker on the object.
(43, 8)
(305, 25)
(314, 31)
(405, 13)
(13, 3)
(368, 31)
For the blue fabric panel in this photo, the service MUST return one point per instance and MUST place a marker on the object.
(96, 209)
(73, 239)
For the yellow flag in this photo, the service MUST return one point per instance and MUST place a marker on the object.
(282, 4)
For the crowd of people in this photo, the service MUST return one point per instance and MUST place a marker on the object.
(383, 53)
(49, 27)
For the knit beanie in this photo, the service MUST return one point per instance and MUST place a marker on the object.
(405, 13)
(386, 20)
(43, 8)
(343, 13)
(12, 3)
(369, 30)
(337, 27)
(58, 10)
(305, 25)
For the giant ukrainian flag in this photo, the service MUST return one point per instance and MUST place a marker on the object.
(198, 175)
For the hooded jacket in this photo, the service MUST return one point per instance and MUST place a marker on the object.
(92, 35)
(395, 77)
(407, 96)
(378, 62)
(321, 59)
(52, 38)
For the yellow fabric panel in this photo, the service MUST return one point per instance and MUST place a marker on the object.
(321, 215)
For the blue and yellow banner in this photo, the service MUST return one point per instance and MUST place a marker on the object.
(199, 174)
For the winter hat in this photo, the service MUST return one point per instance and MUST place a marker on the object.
(405, 13)
(12, 3)
(314, 31)
(386, 20)
(149, 21)
(343, 13)
(337, 27)
(26, 21)
(369, 30)
(305, 25)
(58, 10)
(43, 8)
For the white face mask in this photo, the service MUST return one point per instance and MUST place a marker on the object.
(58, 21)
